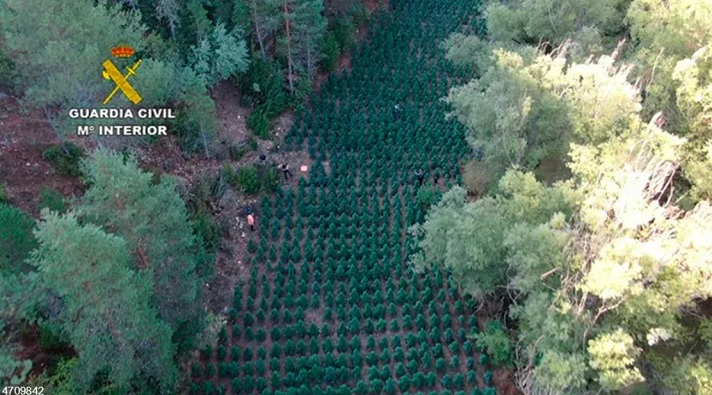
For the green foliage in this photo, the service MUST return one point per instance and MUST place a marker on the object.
(259, 121)
(7, 69)
(458, 224)
(51, 337)
(16, 239)
(65, 158)
(107, 316)
(533, 21)
(196, 125)
(208, 233)
(344, 33)
(592, 104)
(153, 220)
(543, 246)
(219, 55)
(495, 341)
(237, 151)
(16, 371)
(44, 71)
(337, 239)
(247, 179)
(262, 83)
(529, 106)
(331, 50)
(252, 180)
(426, 197)
(3, 193)
(270, 180)
(613, 355)
(52, 200)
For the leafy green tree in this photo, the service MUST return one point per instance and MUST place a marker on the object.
(598, 340)
(533, 21)
(152, 218)
(485, 222)
(527, 107)
(105, 311)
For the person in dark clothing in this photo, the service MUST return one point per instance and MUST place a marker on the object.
(286, 171)
(420, 175)
(397, 112)
(436, 178)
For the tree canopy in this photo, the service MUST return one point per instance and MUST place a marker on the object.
(153, 220)
(106, 312)
(604, 271)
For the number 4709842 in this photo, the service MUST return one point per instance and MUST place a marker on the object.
(19, 390)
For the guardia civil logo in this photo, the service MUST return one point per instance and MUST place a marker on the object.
(112, 73)
(117, 121)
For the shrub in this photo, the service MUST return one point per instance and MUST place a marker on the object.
(65, 158)
(263, 86)
(476, 177)
(426, 197)
(331, 52)
(495, 341)
(3, 194)
(270, 180)
(51, 199)
(7, 69)
(209, 370)
(237, 151)
(344, 33)
(259, 122)
(359, 13)
(16, 239)
(51, 337)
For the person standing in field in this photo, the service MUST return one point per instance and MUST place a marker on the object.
(286, 171)
(420, 175)
(251, 221)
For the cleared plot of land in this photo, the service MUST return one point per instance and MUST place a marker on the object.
(331, 304)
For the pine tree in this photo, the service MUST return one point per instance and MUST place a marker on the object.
(219, 55)
(259, 18)
(105, 312)
(152, 218)
(169, 12)
(309, 29)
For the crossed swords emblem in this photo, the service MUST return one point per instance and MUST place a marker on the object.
(112, 73)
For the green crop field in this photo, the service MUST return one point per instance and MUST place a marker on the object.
(332, 304)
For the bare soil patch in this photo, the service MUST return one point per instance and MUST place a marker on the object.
(231, 114)
(23, 170)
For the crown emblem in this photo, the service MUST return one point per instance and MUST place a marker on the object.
(122, 51)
